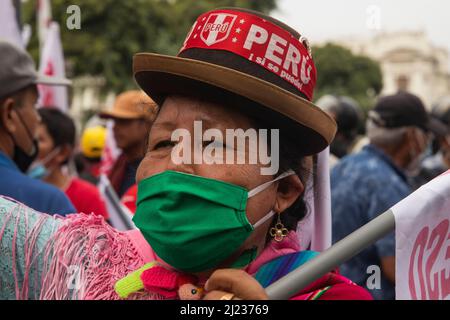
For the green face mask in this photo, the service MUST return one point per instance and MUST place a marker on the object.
(195, 223)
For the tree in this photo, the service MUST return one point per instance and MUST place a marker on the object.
(112, 31)
(341, 72)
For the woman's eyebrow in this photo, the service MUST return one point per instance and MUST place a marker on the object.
(207, 122)
(164, 125)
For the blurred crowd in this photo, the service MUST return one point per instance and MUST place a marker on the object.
(378, 162)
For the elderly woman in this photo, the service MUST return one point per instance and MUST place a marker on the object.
(208, 227)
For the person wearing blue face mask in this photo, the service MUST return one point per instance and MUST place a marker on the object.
(18, 125)
(56, 136)
(38, 169)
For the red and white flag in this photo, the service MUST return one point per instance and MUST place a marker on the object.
(52, 65)
(44, 19)
(110, 152)
(422, 232)
(9, 30)
(314, 231)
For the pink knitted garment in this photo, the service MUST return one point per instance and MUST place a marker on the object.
(77, 257)
(99, 255)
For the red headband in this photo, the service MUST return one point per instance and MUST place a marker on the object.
(257, 40)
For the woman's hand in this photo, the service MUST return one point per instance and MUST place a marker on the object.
(225, 284)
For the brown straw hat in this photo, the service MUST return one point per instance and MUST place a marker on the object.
(133, 104)
(248, 60)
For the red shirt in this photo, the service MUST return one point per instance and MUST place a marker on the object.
(86, 197)
(129, 198)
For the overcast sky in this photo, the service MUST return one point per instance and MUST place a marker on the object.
(321, 20)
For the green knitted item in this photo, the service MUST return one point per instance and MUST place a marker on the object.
(132, 282)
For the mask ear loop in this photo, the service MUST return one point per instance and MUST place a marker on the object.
(423, 139)
(50, 156)
(262, 188)
(27, 130)
(264, 219)
(419, 157)
(267, 184)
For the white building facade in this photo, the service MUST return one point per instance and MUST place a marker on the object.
(408, 61)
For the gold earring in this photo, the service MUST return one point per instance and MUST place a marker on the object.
(279, 232)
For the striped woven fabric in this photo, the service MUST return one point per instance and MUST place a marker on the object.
(277, 268)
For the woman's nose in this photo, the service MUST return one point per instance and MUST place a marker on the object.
(181, 157)
(180, 167)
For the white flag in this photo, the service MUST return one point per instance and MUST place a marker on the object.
(422, 232)
(44, 19)
(110, 152)
(52, 65)
(314, 231)
(9, 29)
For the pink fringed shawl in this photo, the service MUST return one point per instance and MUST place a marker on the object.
(96, 256)
(77, 257)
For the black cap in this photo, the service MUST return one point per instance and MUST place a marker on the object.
(404, 110)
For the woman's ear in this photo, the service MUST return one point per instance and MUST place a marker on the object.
(288, 191)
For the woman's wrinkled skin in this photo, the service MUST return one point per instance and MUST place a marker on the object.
(181, 112)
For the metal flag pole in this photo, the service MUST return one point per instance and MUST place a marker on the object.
(334, 256)
(119, 215)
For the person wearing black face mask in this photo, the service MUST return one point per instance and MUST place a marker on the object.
(22, 158)
(18, 125)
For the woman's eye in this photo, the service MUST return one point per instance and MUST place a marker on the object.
(164, 144)
(214, 144)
